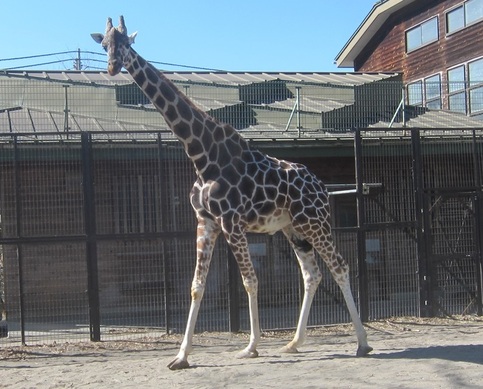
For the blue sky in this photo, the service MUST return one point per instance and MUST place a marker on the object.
(232, 35)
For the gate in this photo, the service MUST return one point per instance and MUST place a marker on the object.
(419, 209)
(450, 191)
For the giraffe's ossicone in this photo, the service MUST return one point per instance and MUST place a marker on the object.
(239, 190)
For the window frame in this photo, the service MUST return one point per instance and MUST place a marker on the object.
(474, 86)
(419, 27)
(469, 89)
(466, 24)
(459, 91)
(426, 99)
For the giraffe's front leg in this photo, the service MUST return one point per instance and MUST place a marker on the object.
(207, 233)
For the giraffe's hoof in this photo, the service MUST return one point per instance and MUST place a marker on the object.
(363, 351)
(289, 349)
(247, 354)
(178, 364)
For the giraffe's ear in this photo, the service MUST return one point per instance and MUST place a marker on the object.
(132, 37)
(97, 37)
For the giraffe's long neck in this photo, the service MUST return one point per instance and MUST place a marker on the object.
(196, 130)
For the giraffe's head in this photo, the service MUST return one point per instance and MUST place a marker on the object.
(116, 42)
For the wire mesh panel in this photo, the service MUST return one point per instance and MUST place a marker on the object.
(329, 304)
(41, 208)
(451, 202)
(54, 301)
(389, 217)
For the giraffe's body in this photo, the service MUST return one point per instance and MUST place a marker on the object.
(239, 190)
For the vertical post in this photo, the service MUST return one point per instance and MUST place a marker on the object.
(233, 292)
(164, 211)
(299, 125)
(478, 226)
(425, 301)
(403, 108)
(66, 110)
(361, 232)
(18, 234)
(91, 239)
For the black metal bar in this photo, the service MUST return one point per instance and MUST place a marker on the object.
(91, 241)
(478, 226)
(164, 264)
(361, 233)
(18, 233)
(100, 237)
(425, 300)
(233, 292)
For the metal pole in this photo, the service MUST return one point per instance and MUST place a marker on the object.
(91, 238)
(403, 100)
(478, 226)
(164, 211)
(361, 233)
(66, 111)
(233, 292)
(78, 63)
(18, 216)
(299, 127)
(425, 300)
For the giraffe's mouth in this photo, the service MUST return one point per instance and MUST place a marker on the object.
(114, 68)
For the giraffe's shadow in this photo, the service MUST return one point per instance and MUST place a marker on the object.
(472, 353)
(453, 353)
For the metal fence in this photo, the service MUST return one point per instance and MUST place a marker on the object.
(98, 237)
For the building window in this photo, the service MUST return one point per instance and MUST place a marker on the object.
(415, 93)
(432, 92)
(426, 92)
(465, 88)
(475, 76)
(422, 34)
(457, 89)
(464, 15)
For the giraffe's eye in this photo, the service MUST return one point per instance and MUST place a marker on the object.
(105, 48)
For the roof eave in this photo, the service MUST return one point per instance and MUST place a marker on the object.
(371, 24)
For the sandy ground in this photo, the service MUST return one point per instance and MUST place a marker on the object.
(408, 353)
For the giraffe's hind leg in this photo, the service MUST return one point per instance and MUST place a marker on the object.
(237, 240)
(311, 276)
(340, 272)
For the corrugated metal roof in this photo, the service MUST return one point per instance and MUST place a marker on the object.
(114, 119)
(235, 78)
(434, 119)
(37, 122)
(309, 104)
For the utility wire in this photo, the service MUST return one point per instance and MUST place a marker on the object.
(90, 59)
(37, 64)
(36, 56)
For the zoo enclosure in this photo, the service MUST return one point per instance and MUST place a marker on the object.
(98, 237)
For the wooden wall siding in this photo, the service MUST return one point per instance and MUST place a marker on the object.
(387, 51)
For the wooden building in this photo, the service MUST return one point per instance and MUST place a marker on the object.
(437, 46)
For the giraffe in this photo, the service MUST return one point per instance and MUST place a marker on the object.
(239, 189)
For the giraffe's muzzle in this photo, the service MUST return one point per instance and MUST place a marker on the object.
(114, 68)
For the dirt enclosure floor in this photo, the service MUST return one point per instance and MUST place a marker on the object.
(408, 353)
